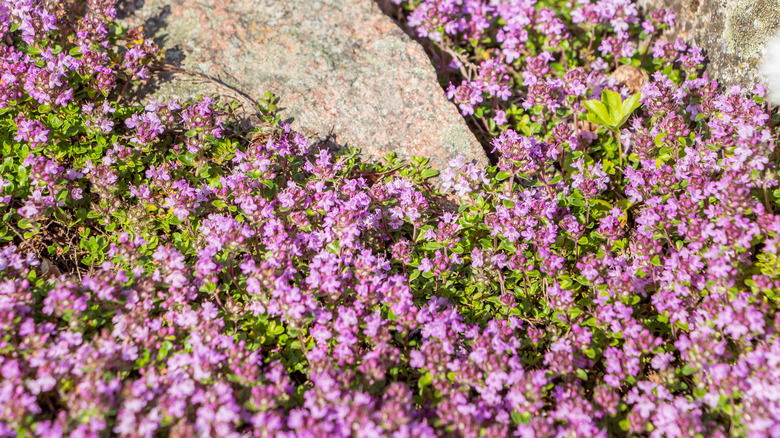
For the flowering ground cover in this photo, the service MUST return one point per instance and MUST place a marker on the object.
(615, 273)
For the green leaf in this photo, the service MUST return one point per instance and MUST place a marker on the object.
(597, 112)
(631, 104)
(430, 173)
(165, 348)
(424, 381)
(503, 175)
(519, 418)
(612, 111)
(612, 100)
(144, 359)
(71, 131)
(577, 200)
(187, 159)
(628, 107)
(62, 195)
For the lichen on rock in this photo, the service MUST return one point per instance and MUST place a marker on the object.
(750, 25)
(733, 33)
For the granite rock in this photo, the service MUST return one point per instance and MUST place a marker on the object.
(340, 67)
(734, 33)
(630, 77)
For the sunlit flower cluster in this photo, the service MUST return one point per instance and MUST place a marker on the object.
(164, 274)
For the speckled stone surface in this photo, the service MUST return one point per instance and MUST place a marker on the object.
(733, 33)
(339, 66)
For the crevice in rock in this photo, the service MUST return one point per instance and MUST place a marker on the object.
(394, 12)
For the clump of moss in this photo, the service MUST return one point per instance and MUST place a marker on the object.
(751, 25)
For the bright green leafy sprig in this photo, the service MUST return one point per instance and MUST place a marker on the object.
(612, 112)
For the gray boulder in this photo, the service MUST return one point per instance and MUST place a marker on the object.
(734, 33)
(340, 67)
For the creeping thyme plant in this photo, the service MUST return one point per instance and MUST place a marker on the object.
(616, 273)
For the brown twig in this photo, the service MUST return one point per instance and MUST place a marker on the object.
(464, 62)
(217, 81)
(24, 241)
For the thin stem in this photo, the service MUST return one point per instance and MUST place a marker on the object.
(766, 197)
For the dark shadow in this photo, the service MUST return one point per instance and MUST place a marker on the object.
(395, 13)
(172, 68)
(153, 28)
(126, 8)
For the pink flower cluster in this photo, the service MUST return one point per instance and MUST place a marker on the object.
(214, 285)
